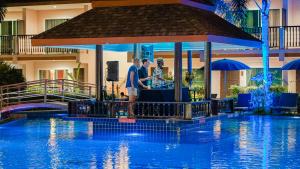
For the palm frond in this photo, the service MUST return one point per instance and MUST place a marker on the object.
(3, 10)
(223, 10)
(239, 10)
(234, 11)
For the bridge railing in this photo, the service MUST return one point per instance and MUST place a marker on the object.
(61, 90)
(152, 110)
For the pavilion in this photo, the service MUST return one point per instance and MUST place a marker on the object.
(148, 21)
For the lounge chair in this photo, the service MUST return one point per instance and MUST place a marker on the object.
(288, 102)
(243, 102)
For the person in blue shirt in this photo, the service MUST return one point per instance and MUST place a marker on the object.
(132, 84)
(143, 73)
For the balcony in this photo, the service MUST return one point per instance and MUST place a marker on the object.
(21, 45)
(285, 37)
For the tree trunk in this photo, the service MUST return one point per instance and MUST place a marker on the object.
(265, 48)
(265, 38)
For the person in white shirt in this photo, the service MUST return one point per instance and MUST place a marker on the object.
(157, 76)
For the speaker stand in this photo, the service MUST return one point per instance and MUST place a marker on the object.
(112, 90)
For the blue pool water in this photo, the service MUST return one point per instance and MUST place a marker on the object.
(244, 142)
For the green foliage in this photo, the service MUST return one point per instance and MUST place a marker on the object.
(250, 88)
(235, 90)
(9, 74)
(75, 76)
(189, 76)
(168, 77)
(3, 10)
(234, 11)
(261, 97)
(278, 89)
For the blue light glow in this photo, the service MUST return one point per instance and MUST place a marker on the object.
(134, 134)
(158, 47)
(202, 131)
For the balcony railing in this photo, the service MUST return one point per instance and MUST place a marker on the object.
(21, 45)
(279, 37)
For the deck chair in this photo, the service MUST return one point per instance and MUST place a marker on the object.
(243, 102)
(288, 102)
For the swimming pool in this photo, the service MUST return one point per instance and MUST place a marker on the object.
(243, 142)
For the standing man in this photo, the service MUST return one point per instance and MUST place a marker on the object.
(158, 79)
(143, 73)
(132, 85)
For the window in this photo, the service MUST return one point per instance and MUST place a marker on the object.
(253, 19)
(50, 23)
(53, 74)
(61, 74)
(44, 74)
(12, 27)
(274, 17)
(276, 75)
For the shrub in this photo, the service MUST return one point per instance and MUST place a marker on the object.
(278, 89)
(9, 74)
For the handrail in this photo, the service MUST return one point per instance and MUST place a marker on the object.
(62, 90)
(43, 80)
(21, 44)
(283, 37)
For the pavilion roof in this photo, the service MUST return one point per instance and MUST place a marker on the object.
(145, 24)
(11, 3)
(49, 2)
(207, 2)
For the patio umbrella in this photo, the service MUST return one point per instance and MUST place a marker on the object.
(228, 65)
(293, 65)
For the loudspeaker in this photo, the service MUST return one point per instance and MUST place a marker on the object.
(112, 71)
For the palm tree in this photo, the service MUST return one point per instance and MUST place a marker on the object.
(235, 12)
(2, 10)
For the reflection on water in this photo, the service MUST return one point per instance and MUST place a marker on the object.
(217, 129)
(108, 160)
(117, 160)
(71, 129)
(291, 138)
(266, 144)
(93, 164)
(243, 136)
(252, 141)
(53, 148)
(90, 129)
(1, 159)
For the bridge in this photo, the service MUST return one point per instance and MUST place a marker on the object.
(43, 94)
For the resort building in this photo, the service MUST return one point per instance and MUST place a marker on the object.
(23, 20)
(67, 116)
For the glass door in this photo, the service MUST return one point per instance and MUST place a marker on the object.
(7, 30)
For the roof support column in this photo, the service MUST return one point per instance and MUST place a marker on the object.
(137, 51)
(207, 69)
(178, 71)
(99, 72)
(190, 64)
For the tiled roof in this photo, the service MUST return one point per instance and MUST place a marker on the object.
(41, 2)
(145, 21)
(207, 2)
